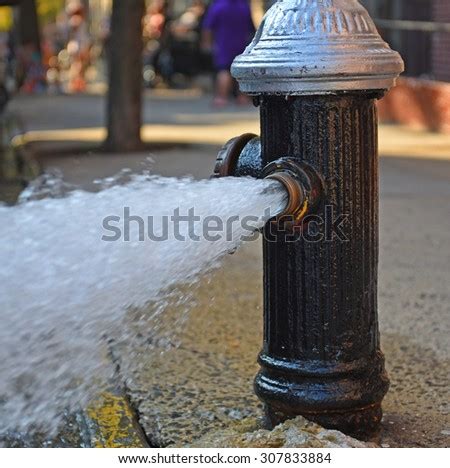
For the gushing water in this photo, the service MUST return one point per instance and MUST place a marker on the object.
(70, 271)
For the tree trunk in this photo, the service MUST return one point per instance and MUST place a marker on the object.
(28, 27)
(125, 77)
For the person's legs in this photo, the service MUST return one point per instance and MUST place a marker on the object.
(224, 86)
(243, 100)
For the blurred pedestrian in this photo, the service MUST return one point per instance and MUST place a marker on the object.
(184, 42)
(34, 80)
(50, 47)
(154, 25)
(227, 29)
(78, 47)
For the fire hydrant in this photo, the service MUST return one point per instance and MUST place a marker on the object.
(316, 69)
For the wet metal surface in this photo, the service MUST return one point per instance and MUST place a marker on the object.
(321, 355)
(317, 68)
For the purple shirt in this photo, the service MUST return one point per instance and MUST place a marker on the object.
(231, 24)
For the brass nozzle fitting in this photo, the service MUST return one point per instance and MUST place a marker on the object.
(296, 197)
(242, 157)
(303, 186)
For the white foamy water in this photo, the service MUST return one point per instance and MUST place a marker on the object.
(64, 292)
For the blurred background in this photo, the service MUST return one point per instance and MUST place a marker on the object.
(165, 64)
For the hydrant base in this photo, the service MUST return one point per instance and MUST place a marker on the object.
(361, 423)
(342, 396)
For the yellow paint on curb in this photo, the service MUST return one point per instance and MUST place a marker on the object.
(112, 423)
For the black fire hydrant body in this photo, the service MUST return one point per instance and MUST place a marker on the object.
(321, 355)
(316, 69)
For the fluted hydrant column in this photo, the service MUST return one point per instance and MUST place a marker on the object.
(316, 69)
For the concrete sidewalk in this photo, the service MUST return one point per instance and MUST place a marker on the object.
(205, 384)
(183, 117)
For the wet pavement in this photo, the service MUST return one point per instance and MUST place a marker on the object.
(202, 383)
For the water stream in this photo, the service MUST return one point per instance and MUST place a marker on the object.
(71, 268)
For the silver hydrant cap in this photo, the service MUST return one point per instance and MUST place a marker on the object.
(316, 47)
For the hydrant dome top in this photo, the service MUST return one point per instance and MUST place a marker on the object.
(316, 47)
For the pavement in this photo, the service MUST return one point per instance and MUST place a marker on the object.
(203, 385)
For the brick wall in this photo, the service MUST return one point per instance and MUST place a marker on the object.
(441, 42)
(422, 104)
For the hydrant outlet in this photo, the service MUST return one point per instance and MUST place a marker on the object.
(296, 197)
(303, 186)
(240, 157)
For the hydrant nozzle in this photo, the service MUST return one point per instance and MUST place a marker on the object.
(296, 206)
(303, 185)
